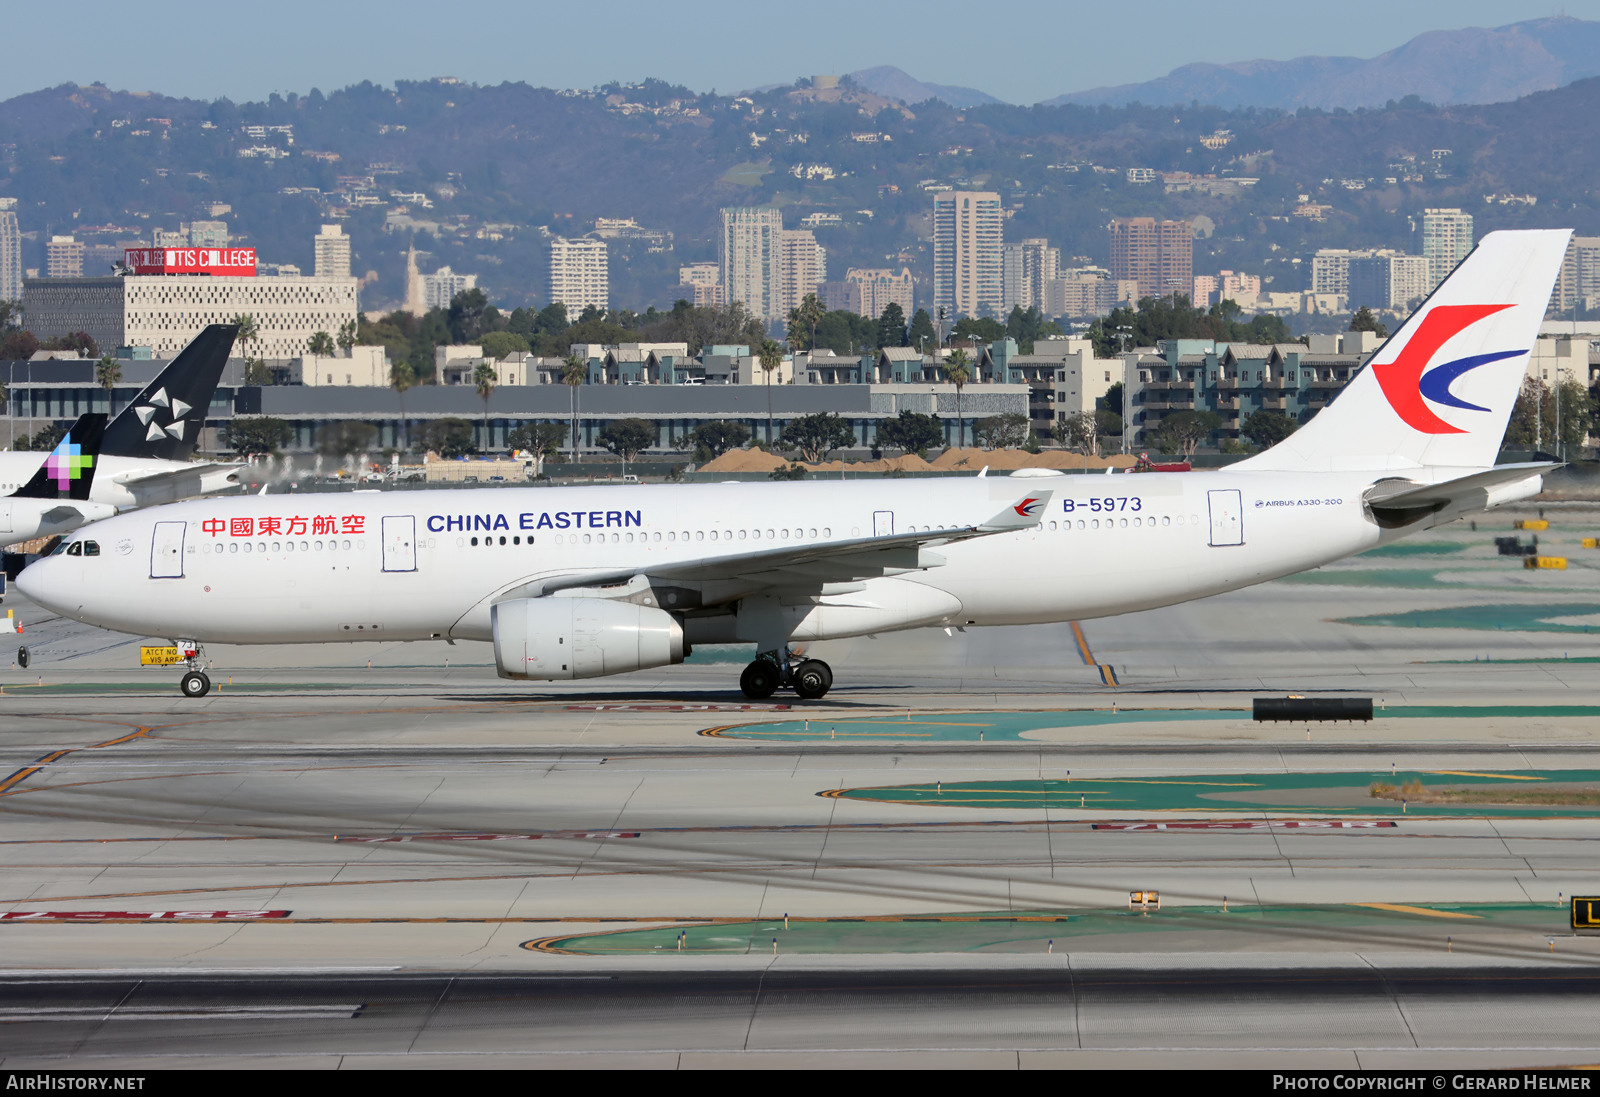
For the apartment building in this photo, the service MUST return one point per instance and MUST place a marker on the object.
(802, 268)
(1026, 266)
(968, 274)
(579, 275)
(750, 259)
(332, 252)
(1446, 239)
(1158, 255)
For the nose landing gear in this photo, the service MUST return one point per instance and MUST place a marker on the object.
(810, 679)
(194, 683)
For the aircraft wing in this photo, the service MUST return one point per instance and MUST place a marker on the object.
(170, 484)
(816, 564)
(1401, 501)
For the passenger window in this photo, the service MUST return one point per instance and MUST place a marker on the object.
(91, 548)
(76, 549)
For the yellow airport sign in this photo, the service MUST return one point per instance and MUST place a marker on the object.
(156, 656)
(1532, 523)
(1556, 563)
(1586, 912)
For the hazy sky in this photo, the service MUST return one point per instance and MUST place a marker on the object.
(1019, 50)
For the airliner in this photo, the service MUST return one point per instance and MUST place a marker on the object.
(145, 454)
(581, 582)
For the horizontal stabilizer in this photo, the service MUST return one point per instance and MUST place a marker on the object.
(1401, 502)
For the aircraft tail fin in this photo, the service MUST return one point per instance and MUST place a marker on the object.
(164, 421)
(68, 473)
(1441, 390)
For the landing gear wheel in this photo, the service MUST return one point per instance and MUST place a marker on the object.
(812, 679)
(22, 657)
(195, 684)
(759, 680)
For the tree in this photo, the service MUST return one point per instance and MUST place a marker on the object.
(978, 329)
(921, 332)
(248, 333)
(500, 344)
(320, 343)
(958, 371)
(18, 344)
(627, 437)
(803, 319)
(347, 336)
(711, 440)
(1550, 419)
(1363, 320)
(484, 379)
(1027, 327)
(257, 372)
(401, 378)
(467, 314)
(574, 372)
(251, 434)
(346, 437)
(1267, 428)
(1006, 431)
(892, 326)
(818, 435)
(770, 355)
(911, 432)
(107, 372)
(80, 342)
(450, 437)
(49, 437)
(542, 439)
(1184, 431)
(788, 472)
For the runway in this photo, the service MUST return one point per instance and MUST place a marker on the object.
(938, 855)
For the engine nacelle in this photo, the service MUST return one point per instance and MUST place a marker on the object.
(545, 639)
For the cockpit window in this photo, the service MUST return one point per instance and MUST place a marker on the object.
(91, 548)
(75, 549)
(60, 548)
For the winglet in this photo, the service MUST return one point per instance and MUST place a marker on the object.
(1026, 513)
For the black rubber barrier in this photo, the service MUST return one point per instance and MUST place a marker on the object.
(1312, 708)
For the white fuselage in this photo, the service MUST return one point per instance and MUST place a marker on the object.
(115, 478)
(419, 565)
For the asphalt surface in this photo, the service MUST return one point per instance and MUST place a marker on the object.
(331, 863)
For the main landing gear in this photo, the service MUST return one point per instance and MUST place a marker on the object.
(772, 670)
(194, 683)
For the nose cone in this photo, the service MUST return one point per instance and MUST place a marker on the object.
(34, 582)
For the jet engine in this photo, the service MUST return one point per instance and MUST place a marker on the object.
(554, 638)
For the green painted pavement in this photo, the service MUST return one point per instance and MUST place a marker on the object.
(999, 727)
(1512, 618)
(1029, 931)
(1319, 793)
(1413, 548)
(19, 688)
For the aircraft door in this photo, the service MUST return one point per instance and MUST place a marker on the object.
(1227, 516)
(166, 551)
(883, 523)
(399, 542)
(5, 516)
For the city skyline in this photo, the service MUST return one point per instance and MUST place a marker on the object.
(114, 44)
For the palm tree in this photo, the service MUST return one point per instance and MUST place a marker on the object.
(347, 336)
(401, 378)
(320, 344)
(958, 370)
(811, 311)
(771, 356)
(107, 372)
(483, 379)
(574, 372)
(248, 333)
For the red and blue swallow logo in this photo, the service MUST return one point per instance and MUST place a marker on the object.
(1028, 507)
(1406, 381)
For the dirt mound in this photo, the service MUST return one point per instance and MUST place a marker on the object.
(744, 460)
(973, 459)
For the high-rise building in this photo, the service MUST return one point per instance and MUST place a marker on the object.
(750, 255)
(10, 252)
(332, 252)
(440, 287)
(968, 279)
(214, 234)
(1577, 286)
(1446, 239)
(579, 275)
(880, 287)
(1330, 270)
(704, 283)
(1028, 265)
(1388, 280)
(1158, 255)
(63, 258)
(802, 269)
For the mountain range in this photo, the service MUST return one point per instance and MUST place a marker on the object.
(1446, 67)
